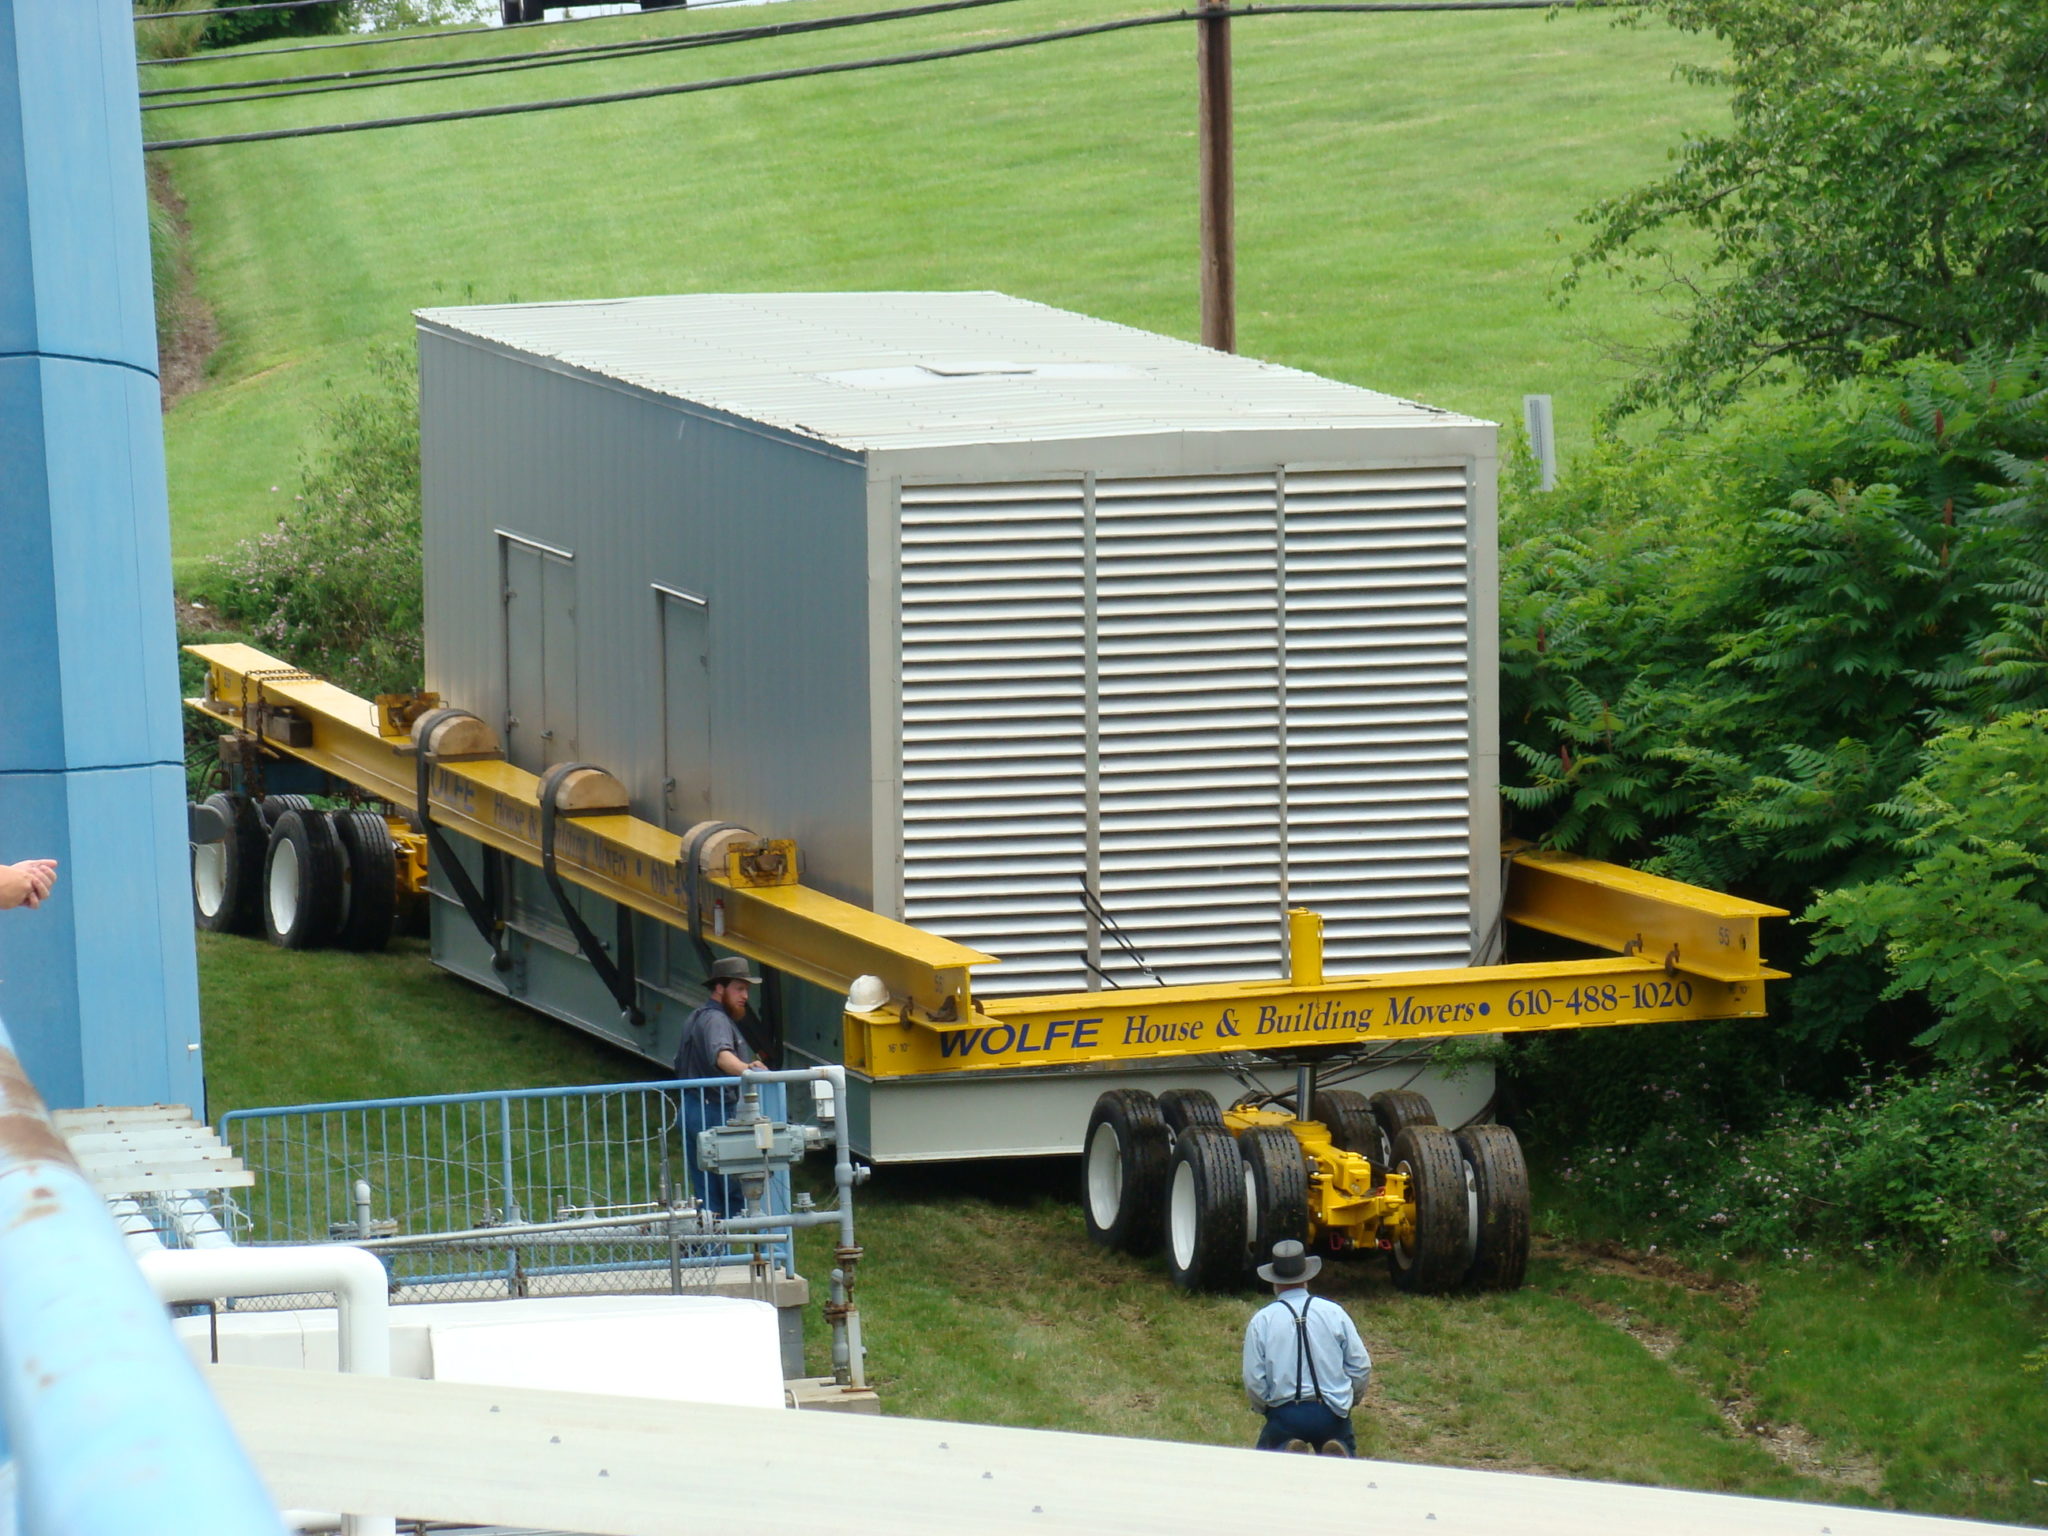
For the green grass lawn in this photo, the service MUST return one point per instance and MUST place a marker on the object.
(1406, 192)
(984, 1301)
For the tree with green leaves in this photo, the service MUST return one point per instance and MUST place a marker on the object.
(1881, 192)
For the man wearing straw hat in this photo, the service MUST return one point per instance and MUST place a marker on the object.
(1304, 1363)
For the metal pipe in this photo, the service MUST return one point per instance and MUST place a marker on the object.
(358, 1281)
(111, 1428)
(843, 1314)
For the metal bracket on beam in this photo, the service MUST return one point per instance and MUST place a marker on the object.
(456, 731)
(590, 792)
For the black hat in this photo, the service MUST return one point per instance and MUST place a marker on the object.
(731, 968)
(1292, 1265)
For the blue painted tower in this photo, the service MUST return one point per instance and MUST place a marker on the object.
(99, 985)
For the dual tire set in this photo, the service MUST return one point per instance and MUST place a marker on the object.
(1166, 1173)
(304, 878)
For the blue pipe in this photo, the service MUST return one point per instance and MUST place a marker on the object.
(112, 1429)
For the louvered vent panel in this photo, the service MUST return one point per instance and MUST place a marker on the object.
(1379, 714)
(1208, 792)
(1188, 661)
(995, 725)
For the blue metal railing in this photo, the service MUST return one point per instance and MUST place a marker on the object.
(111, 1428)
(460, 1162)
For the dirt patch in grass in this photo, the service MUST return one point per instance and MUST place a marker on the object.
(1792, 1445)
(187, 332)
(1609, 1258)
(1796, 1447)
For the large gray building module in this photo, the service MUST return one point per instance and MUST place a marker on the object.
(1068, 641)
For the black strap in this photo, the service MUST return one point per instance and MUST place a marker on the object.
(693, 906)
(481, 906)
(618, 977)
(1303, 1353)
(692, 900)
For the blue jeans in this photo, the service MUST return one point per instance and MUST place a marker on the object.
(703, 1109)
(1309, 1421)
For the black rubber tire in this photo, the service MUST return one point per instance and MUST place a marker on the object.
(1395, 1109)
(302, 881)
(1441, 1250)
(1123, 1172)
(1206, 1240)
(1276, 1185)
(369, 880)
(1348, 1117)
(270, 807)
(1183, 1107)
(227, 876)
(1497, 1207)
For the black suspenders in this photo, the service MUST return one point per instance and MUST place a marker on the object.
(1302, 1353)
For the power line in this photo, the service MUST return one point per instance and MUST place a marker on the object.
(852, 66)
(688, 88)
(508, 63)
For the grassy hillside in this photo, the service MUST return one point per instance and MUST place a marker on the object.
(1406, 189)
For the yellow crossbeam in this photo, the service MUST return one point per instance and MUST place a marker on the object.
(1681, 927)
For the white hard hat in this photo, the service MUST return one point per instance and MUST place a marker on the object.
(867, 994)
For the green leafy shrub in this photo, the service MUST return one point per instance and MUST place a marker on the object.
(1722, 657)
(1965, 920)
(335, 587)
(1950, 1167)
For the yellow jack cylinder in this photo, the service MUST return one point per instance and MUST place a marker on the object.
(1305, 947)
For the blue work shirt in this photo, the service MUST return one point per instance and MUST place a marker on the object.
(1299, 1347)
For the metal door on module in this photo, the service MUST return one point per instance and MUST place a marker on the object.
(540, 653)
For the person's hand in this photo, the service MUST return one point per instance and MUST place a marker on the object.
(27, 883)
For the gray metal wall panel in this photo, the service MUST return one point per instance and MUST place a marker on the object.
(644, 494)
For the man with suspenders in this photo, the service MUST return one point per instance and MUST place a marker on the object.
(1304, 1363)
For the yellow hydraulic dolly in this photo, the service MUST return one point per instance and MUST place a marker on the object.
(1214, 1185)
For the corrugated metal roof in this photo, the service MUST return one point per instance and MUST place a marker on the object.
(904, 370)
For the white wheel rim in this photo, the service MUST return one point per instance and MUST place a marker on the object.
(210, 877)
(1105, 1176)
(1404, 1254)
(1180, 1217)
(284, 886)
(1251, 1206)
(1471, 1206)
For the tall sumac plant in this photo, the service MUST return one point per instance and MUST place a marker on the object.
(1725, 657)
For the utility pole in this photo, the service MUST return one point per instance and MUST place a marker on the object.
(1219, 218)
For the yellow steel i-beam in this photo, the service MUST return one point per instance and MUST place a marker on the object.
(1681, 927)
(796, 930)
